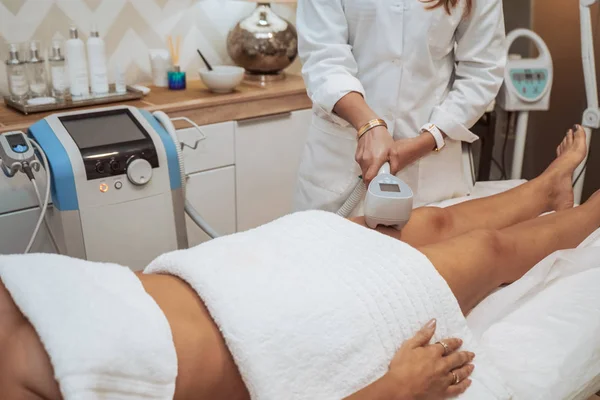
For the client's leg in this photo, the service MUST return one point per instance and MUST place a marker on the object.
(476, 263)
(551, 191)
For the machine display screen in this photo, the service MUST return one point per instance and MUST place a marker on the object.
(101, 129)
(389, 187)
(529, 76)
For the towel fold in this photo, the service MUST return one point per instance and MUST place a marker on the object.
(105, 336)
(313, 306)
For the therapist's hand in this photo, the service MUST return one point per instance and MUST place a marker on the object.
(373, 151)
(421, 371)
(406, 151)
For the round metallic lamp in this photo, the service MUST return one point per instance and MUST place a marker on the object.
(264, 44)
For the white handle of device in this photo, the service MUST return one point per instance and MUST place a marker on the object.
(543, 50)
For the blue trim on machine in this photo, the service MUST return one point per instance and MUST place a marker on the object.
(171, 150)
(64, 192)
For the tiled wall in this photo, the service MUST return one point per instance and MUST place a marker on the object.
(130, 28)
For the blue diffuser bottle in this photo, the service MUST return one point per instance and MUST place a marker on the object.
(176, 79)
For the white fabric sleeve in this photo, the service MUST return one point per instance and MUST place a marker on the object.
(480, 61)
(328, 66)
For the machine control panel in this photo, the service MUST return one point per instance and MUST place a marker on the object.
(17, 143)
(529, 84)
(110, 142)
(16, 151)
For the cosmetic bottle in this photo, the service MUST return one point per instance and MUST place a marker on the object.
(16, 74)
(120, 85)
(58, 72)
(36, 72)
(76, 64)
(97, 61)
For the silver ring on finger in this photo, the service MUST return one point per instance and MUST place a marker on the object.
(445, 346)
(456, 378)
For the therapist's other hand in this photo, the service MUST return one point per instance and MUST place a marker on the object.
(421, 371)
(406, 151)
(373, 151)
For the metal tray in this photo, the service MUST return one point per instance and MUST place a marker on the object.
(92, 100)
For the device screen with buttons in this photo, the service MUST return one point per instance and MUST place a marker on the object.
(109, 141)
(530, 84)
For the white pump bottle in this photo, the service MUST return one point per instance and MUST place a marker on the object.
(97, 61)
(76, 64)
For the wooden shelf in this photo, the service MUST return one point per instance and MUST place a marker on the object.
(199, 104)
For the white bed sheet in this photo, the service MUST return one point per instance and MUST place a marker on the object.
(543, 332)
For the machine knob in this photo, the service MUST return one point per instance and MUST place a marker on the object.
(139, 171)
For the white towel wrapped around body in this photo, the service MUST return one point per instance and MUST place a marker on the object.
(105, 336)
(313, 306)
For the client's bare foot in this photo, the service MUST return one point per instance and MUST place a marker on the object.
(570, 153)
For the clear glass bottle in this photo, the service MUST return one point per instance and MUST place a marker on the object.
(120, 85)
(17, 75)
(38, 84)
(58, 72)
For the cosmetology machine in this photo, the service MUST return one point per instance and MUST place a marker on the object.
(527, 87)
(117, 183)
(511, 100)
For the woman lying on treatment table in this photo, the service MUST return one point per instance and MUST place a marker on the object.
(476, 246)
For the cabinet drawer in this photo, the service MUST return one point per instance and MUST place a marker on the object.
(212, 193)
(214, 151)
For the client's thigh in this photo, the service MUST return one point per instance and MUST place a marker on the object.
(471, 264)
(25, 370)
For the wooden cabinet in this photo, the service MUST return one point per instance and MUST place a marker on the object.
(243, 174)
(209, 163)
(268, 152)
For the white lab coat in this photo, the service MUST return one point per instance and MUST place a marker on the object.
(413, 66)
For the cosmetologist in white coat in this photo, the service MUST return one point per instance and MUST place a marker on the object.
(422, 72)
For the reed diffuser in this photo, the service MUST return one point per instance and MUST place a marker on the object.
(176, 77)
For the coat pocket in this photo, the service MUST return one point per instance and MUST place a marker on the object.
(328, 161)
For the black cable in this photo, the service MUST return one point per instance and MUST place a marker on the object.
(509, 129)
(581, 173)
(28, 171)
(497, 164)
(584, 167)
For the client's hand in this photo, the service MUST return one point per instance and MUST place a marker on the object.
(423, 371)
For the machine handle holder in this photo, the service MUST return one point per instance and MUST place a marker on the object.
(201, 134)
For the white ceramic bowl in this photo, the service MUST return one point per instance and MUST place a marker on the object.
(223, 78)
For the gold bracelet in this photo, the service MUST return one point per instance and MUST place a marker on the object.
(374, 123)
